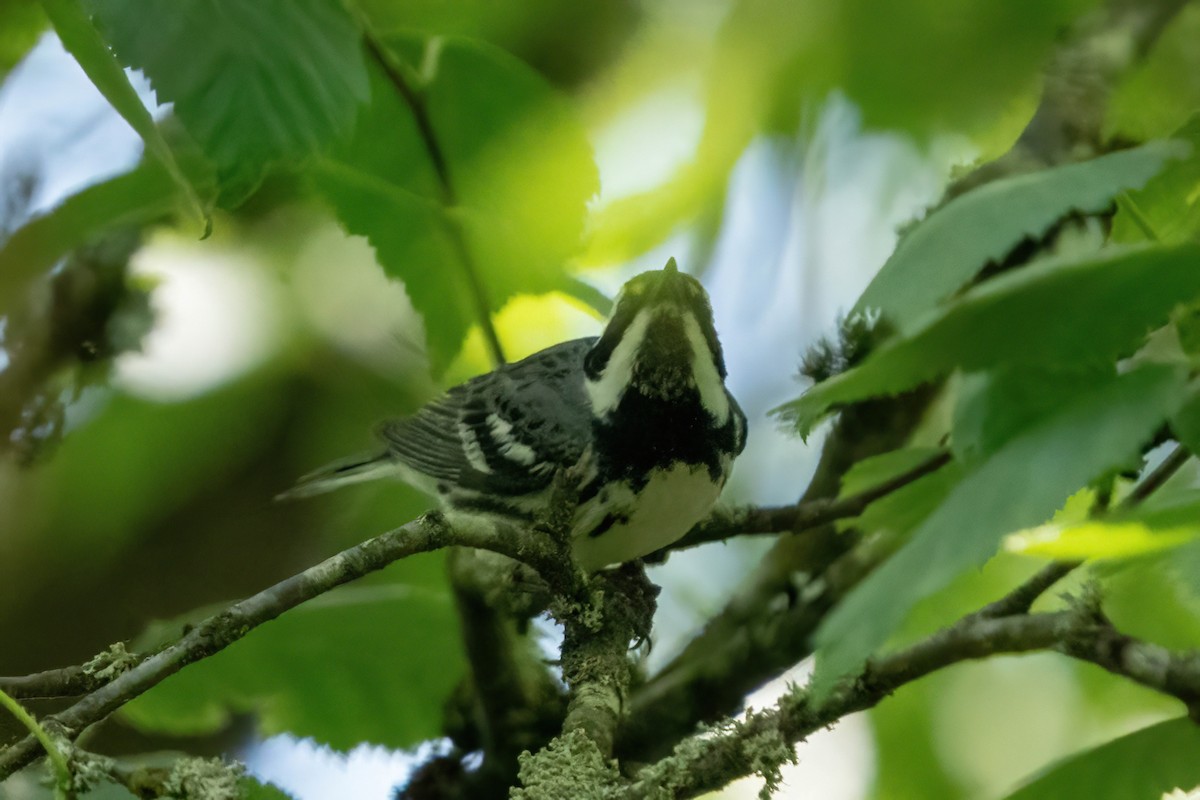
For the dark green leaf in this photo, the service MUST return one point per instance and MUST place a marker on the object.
(362, 664)
(994, 406)
(519, 167)
(1020, 485)
(946, 250)
(1143, 764)
(21, 22)
(254, 83)
(1024, 319)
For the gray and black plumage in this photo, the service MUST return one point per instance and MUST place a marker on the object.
(646, 401)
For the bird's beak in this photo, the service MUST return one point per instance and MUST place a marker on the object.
(672, 286)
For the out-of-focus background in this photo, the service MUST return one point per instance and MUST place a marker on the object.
(773, 148)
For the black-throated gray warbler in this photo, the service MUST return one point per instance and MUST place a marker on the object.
(645, 402)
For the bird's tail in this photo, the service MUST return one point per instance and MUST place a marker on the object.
(340, 473)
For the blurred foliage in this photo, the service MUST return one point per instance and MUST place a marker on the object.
(1146, 763)
(347, 668)
(457, 140)
(520, 173)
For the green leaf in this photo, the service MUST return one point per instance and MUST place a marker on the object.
(900, 512)
(951, 246)
(1020, 485)
(254, 83)
(136, 197)
(1144, 764)
(1099, 539)
(520, 172)
(369, 663)
(21, 23)
(1042, 315)
(1167, 209)
(871, 472)
(995, 406)
(81, 40)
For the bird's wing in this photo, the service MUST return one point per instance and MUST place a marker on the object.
(505, 432)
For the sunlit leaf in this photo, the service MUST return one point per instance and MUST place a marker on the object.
(1020, 319)
(1020, 485)
(1099, 539)
(1143, 764)
(254, 83)
(519, 169)
(946, 250)
(361, 664)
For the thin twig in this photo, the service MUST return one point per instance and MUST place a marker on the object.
(727, 523)
(407, 87)
(708, 762)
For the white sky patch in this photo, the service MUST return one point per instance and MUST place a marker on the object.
(58, 127)
(308, 771)
(217, 315)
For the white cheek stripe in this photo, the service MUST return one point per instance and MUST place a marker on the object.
(606, 392)
(708, 380)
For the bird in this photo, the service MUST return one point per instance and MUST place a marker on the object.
(641, 412)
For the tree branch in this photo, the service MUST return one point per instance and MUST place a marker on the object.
(426, 533)
(707, 762)
(724, 524)
(74, 680)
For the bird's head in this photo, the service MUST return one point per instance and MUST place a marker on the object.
(660, 342)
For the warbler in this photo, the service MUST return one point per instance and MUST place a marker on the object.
(644, 406)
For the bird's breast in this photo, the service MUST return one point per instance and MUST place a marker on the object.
(622, 522)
